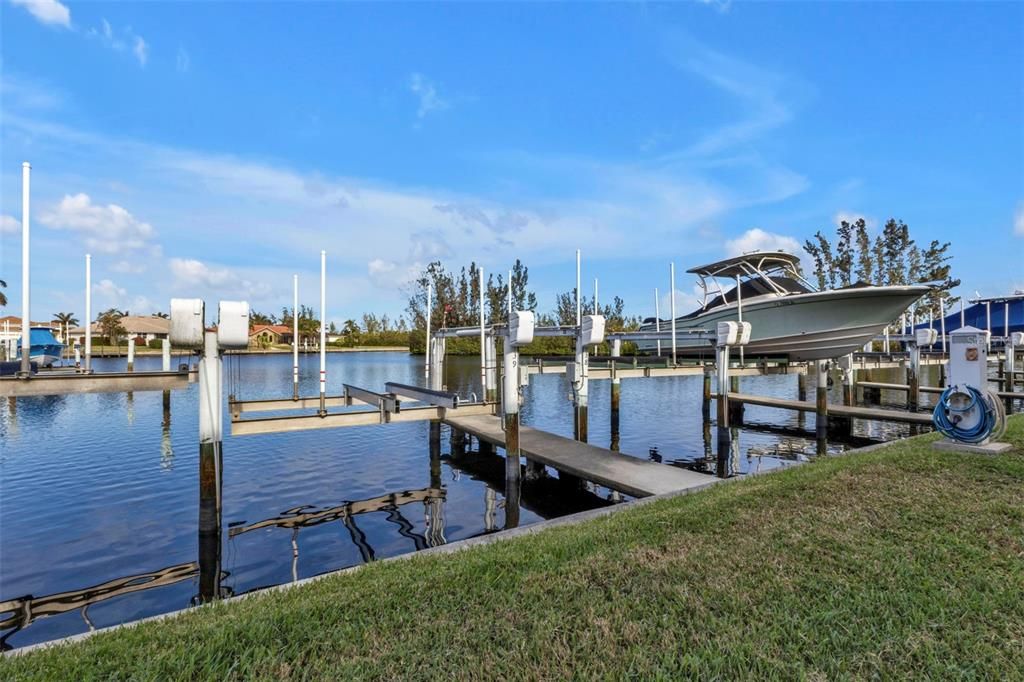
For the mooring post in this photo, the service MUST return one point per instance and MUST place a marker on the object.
(26, 314)
(735, 407)
(131, 353)
(821, 408)
(846, 365)
(88, 313)
(491, 362)
(801, 386)
(510, 401)
(581, 389)
(724, 437)
(435, 453)
(323, 334)
(913, 375)
(210, 467)
(616, 390)
(434, 382)
(295, 337)
(705, 407)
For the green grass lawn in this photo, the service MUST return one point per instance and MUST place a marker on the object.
(902, 562)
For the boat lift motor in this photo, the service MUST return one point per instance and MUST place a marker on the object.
(969, 414)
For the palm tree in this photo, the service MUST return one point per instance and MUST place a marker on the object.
(66, 320)
(110, 325)
(3, 296)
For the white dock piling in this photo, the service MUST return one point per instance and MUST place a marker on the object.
(426, 314)
(26, 314)
(483, 334)
(323, 334)
(295, 337)
(88, 313)
(672, 307)
(657, 318)
(510, 405)
(165, 355)
(131, 353)
(942, 323)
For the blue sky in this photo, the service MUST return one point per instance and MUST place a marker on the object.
(212, 149)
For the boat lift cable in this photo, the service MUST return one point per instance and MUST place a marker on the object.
(949, 413)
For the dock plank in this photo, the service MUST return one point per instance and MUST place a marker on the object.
(629, 475)
(837, 410)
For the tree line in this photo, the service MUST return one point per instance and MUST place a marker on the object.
(891, 258)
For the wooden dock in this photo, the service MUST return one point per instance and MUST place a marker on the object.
(1012, 395)
(877, 414)
(629, 475)
(61, 383)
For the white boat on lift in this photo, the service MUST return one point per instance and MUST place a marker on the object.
(789, 318)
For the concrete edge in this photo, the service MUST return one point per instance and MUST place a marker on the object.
(450, 548)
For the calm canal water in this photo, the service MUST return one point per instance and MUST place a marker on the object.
(99, 493)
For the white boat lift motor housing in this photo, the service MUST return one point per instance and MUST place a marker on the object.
(188, 322)
(520, 327)
(733, 333)
(925, 337)
(592, 330)
(233, 325)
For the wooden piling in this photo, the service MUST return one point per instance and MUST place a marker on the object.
(434, 440)
(210, 483)
(736, 409)
(821, 410)
(510, 401)
(724, 437)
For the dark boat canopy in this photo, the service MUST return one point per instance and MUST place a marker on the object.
(757, 262)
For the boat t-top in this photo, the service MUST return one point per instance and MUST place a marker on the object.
(789, 318)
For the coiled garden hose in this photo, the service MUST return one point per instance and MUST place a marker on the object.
(991, 425)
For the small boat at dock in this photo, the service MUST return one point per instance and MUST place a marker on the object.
(45, 349)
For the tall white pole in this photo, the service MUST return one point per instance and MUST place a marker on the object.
(1006, 320)
(942, 322)
(657, 317)
(739, 313)
(672, 306)
(509, 294)
(483, 340)
(430, 292)
(579, 310)
(26, 314)
(323, 332)
(597, 306)
(295, 337)
(88, 313)
(962, 324)
(988, 323)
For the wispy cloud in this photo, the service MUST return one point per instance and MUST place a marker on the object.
(765, 96)
(426, 92)
(9, 224)
(124, 40)
(49, 12)
(1018, 220)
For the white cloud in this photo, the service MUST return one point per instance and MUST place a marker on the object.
(49, 12)
(105, 229)
(141, 50)
(121, 41)
(429, 99)
(1018, 221)
(183, 61)
(685, 302)
(757, 239)
(195, 276)
(109, 292)
(9, 224)
(852, 217)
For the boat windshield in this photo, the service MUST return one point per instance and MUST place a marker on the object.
(753, 274)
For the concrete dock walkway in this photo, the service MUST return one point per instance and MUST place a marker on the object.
(628, 475)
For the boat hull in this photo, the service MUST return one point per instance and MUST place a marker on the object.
(813, 326)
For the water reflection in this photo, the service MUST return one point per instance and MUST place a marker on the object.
(16, 614)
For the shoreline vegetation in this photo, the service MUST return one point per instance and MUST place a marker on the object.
(896, 562)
